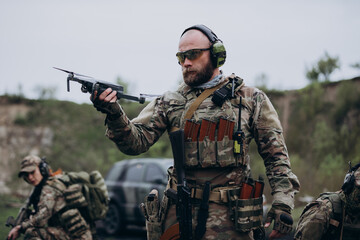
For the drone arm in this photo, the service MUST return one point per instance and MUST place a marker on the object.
(120, 95)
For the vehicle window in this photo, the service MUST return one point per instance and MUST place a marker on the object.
(153, 172)
(134, 173)
(114, 173)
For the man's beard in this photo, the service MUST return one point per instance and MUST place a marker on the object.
(353, 200)
(195, 77)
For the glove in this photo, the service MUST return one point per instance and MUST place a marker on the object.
(151, 206)
(282, 219)
(151, 211)
(112, 109)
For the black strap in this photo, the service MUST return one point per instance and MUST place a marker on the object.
(35, 196)
(203, 212)
(333, 231)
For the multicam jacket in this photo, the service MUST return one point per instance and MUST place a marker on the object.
(259, 121)
(48, 219)
(323, 219)
(51, 201)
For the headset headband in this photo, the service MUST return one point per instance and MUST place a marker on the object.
(205, 30)
(354, 168)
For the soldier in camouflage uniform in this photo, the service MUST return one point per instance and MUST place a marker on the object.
(200, 55)
(334, 215)
(50, 219)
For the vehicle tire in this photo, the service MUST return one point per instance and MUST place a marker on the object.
(113, 222)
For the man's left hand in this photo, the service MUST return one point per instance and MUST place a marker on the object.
(282, 221)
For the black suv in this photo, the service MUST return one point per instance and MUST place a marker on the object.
(128, 182)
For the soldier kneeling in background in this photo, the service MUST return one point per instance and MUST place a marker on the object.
(334, 215)
(50, 217)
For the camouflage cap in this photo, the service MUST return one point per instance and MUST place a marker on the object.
(29, 164)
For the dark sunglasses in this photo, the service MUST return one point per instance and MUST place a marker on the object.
(26, 174)
(191, 54)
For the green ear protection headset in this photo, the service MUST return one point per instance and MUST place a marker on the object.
(217, 49)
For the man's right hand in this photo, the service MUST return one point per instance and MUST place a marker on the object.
(106, 102)
(14, 233)
(107, 96)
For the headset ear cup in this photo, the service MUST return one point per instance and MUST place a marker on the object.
(44, 168)
(348, 183)
(218, 53)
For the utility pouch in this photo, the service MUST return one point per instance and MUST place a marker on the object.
(154, 213)
(191, 131)
(225, 152)
(74, 223)
(225, 143)
(247, 214)
(191, 154)
(207, 146)
(74, 196)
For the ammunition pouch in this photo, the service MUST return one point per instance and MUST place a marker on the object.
(74, 196)
(225, 153)
(209, 153)
(74, 223)
(247, 214)
(154, 212)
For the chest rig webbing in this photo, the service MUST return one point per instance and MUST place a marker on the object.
(209, 133)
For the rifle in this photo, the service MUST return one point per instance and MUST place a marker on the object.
(24, 213)
(89, 84)
(183, 195)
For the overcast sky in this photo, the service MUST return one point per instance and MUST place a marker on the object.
(137, 41)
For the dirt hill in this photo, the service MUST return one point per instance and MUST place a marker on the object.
(321, 125)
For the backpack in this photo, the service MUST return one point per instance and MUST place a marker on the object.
(87, 192)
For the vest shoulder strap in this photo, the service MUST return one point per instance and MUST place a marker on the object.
(198, 101)
(336, 218)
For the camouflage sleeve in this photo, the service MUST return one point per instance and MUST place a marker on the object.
(314, 221)
(138, 135)
(51, 201)
(271, 146)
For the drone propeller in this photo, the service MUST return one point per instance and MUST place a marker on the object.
(77, 74)
(149, 95)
